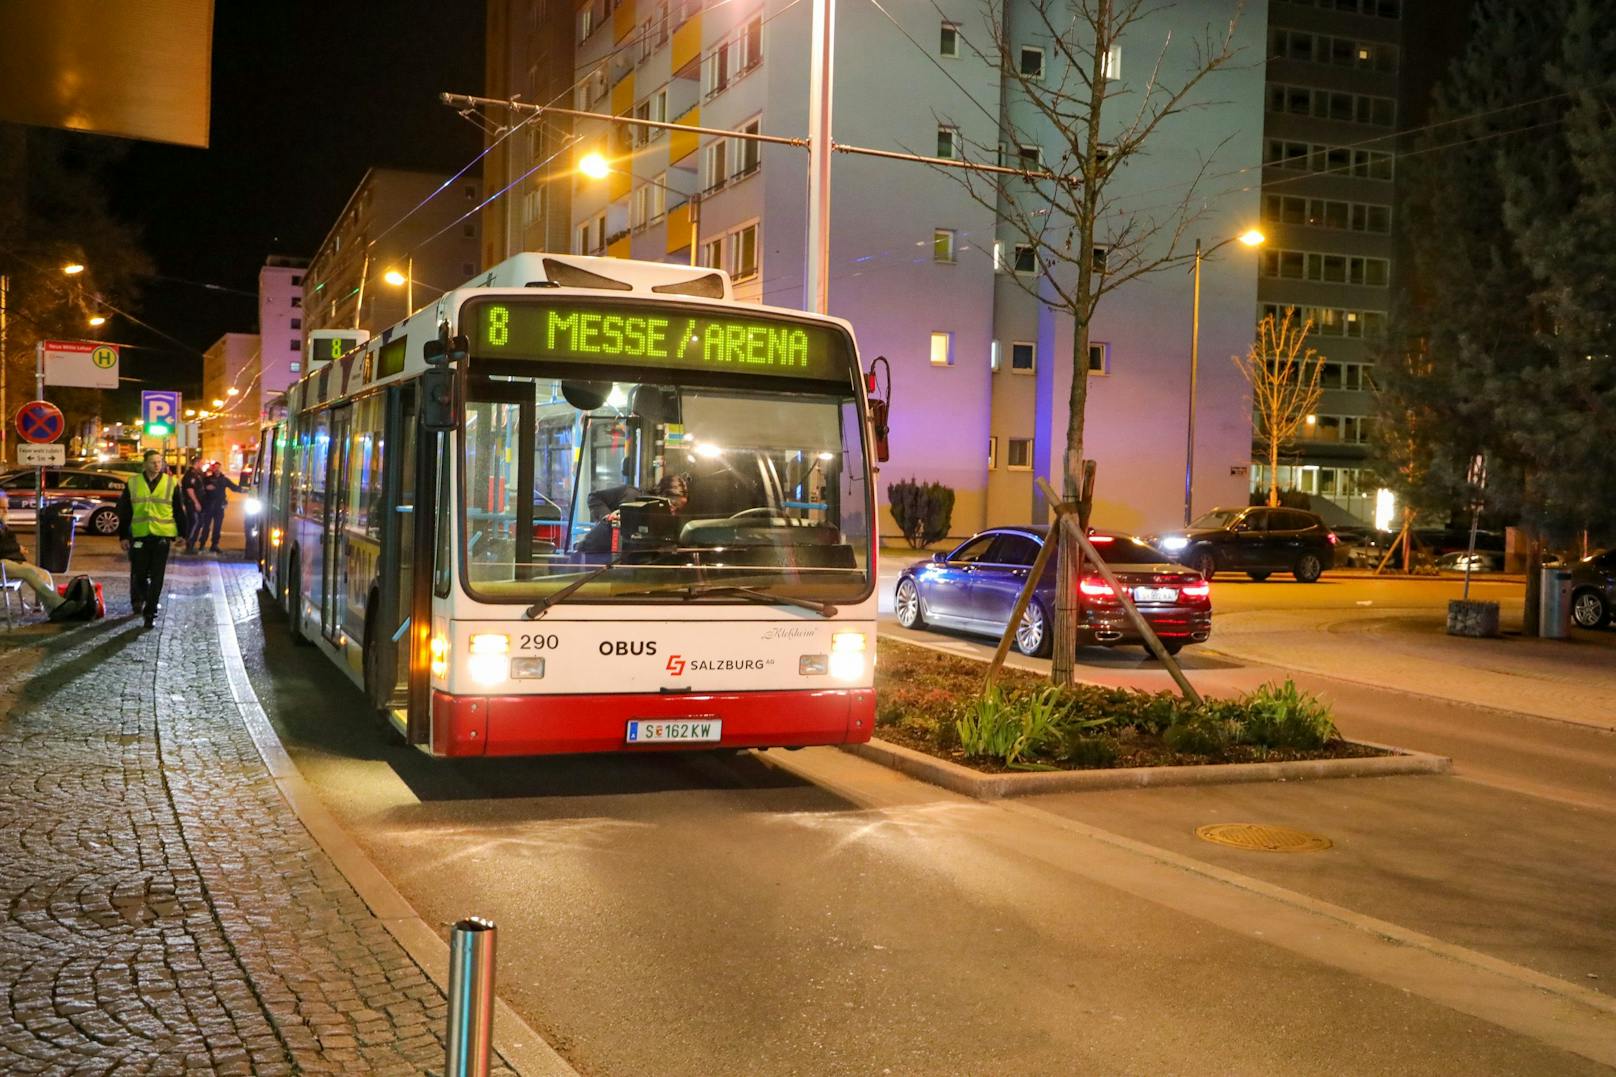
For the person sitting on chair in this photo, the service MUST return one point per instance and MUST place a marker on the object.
(674, 489)
(17, 567)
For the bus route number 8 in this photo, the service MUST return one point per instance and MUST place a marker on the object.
(499, 326)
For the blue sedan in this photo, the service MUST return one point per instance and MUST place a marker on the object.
(974, 588)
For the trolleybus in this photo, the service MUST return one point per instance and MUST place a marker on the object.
(584, 505)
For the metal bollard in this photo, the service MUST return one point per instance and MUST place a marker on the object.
(471, 998)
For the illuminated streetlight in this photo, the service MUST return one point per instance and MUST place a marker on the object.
(73, 269)
(232, 391)
(594, 166)
(190, 412)
(395, 278)
(218, 403)
(97, 320)
(1251, 237)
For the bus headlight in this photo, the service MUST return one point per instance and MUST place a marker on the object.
(490, 657)
(254, 506)
(847, 656)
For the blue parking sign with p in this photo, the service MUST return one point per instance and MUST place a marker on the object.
(159, 411)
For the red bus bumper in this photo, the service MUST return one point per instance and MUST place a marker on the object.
(558, 725)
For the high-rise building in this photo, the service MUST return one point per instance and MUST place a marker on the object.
(1335, 100)
(280, 324)
(924, 271)
(230, 375)
(418, 228)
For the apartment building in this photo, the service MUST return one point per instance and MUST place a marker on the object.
(417, 226)
(925, 272)
(231, 369)
(280, 324)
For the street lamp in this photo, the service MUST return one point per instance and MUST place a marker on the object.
(1251, 237)
(406, 280)
(73, 269)
(596, 167)
(218, 403)
(97, 320)
(232, 391)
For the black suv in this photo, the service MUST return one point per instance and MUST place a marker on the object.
(1258, 541)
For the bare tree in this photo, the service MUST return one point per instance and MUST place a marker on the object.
(1060, 209)
(1284, 379)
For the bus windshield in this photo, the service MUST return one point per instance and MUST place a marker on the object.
(662, 487)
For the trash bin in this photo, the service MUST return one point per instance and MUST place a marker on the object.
(56, 526)
(1554, 604)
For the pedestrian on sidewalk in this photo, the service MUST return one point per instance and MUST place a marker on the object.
(215, 489)
(192, 485)
(15, 562)
(151, 515)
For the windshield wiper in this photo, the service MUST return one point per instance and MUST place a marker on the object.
(538, 609)
(694, 591)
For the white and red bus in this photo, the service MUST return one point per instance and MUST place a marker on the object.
(585, 505)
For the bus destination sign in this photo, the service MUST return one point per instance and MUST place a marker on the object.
(622, 334)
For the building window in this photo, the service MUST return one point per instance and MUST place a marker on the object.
(942, 245)
(469, 231)
(1099, 357)
(586, 23)
(948, 142)
(712, 254)
(717, 158)
(471, 192)
(748, 151)
(942, 349)
(297, 323)
(993, 453)
(296, 280)
(1032, 62)
(297, 301)
(1026, 260)
(743, 252)
(948, 45)
(1023, 357)
(1112, 67)
(1030, 158)
(1019, 457)
(1097, 259)
(294, 345)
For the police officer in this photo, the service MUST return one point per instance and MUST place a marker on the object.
(151, 515)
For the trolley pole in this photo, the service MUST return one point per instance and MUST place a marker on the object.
(821, 66)
(471, 998)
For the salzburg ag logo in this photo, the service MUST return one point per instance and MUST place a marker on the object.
(676, 665)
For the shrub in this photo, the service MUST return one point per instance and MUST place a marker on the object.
(1011, 729)
(1209, 732)
(1082, 750)
(1280, 716)
(924, 511)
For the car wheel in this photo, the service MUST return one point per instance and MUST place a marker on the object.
(907, 605)
(104, 521)
(1589, 609)
(1032, 635)
(1308, 568)
(1259, 576)
(1171, 646)
(1205, 562)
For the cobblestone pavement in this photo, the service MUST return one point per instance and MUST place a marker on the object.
(165, 909)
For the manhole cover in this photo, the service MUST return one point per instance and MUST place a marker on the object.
(1263, 839)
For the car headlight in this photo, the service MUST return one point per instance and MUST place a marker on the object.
(1174, 543)
(254, 506)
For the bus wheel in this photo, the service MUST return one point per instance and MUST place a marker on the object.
(375, 693)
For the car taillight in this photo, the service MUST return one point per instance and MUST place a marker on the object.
(1333, 539)
(1199, 589)
(1096, 587)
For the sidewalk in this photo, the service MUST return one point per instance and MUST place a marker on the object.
(1410, 651)
(166, 910)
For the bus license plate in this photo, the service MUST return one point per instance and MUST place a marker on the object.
(1154, 594)
(687, 730)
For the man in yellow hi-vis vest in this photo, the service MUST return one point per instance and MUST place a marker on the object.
(151, 515)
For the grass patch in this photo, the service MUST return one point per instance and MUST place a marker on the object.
(934, 703)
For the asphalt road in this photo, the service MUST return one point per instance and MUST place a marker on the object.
(813, 913)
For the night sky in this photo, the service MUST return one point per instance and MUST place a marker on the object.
(305, 98)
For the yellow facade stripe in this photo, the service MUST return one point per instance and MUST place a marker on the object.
(618, 248)
(623, 95)
(623, 20)
(687, 44)
(679, 228)
(682, 144)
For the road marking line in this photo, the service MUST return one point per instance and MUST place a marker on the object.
(517, 1042)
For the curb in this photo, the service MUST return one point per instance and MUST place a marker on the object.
(522, 1048)
(971, 783)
